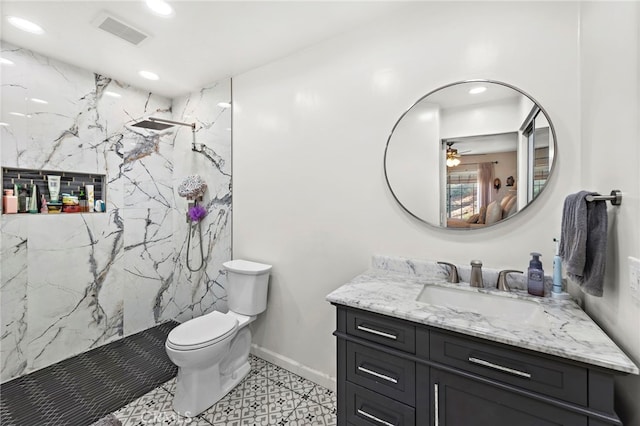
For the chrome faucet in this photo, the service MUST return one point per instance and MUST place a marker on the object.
(453, 272)
(502, 279)
(476, 274)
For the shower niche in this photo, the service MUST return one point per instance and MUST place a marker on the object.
(73, 196)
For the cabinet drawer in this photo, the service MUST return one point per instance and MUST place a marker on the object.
(554, 378)
(367, 408)
(380, 372)
(390, 332)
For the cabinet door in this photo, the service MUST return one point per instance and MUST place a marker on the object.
(458, 401)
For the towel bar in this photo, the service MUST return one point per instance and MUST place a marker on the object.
(615, 197)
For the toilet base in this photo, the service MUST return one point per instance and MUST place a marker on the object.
(199, 389)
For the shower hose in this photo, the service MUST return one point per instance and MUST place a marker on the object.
(197, 225)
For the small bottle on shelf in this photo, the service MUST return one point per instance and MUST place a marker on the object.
(82, 200)
(9, 202)
(22, 198)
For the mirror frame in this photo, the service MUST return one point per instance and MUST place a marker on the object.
(551, 168)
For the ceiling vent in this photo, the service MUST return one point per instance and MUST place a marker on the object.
(119, 29)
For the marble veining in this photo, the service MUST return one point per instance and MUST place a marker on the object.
(74, 282)
(392, 286)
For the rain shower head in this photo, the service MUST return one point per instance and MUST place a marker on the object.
(155, 123)
(152, 125)
(162, 124)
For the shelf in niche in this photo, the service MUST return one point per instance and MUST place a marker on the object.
(70, 183)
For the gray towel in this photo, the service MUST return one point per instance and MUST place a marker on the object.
(583, 241)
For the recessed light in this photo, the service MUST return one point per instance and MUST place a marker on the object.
(224, 105)
(24, 25)
(477, 90)
(5, 61)
(160, 7)
(39, 101)
(149, 75)
(112, 94)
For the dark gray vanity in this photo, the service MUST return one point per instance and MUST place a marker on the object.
(402, 362)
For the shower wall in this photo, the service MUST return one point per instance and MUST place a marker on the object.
(71, 282)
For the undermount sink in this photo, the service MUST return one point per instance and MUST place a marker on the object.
(489, 305)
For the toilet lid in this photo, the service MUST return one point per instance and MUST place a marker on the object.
(202, 331)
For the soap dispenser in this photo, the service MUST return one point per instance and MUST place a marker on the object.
(535, 276)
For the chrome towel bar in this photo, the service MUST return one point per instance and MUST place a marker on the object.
(615, 197)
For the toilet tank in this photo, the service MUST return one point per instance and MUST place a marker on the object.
(247, 284)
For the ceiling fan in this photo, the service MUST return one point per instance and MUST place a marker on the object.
(453, 158)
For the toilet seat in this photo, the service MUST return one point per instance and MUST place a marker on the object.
(202, 331)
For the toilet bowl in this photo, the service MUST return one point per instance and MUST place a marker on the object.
(212, 351)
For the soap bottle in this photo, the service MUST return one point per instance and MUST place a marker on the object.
(535, 276)
(9, 202)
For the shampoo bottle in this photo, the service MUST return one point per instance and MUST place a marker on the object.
(535, 276)
(33, 200)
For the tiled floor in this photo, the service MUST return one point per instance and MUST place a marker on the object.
(269, 395)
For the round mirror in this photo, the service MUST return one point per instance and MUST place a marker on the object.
(470, 154)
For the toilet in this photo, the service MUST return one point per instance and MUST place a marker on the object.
(212, 351)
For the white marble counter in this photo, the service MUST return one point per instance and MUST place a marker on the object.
(392, 285)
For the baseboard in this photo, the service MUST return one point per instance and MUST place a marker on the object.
(295, 367)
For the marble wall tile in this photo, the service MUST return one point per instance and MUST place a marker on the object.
(13, 300)
(149, 267)
(73, 282)
(212, 160)
(74, 295)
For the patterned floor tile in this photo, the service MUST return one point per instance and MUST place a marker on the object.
(170, 386)
(257, 364)
(155, 409)
(288, 379)
(309, 413)
(322, 396)
(255, 401)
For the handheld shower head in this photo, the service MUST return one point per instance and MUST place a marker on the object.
(192, 187)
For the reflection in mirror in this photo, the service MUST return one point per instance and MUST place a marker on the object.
(470, 155)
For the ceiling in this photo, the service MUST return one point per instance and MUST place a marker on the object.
(203, 42)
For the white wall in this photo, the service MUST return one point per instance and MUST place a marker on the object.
(490, 118)
(309, 136)
(610, 91)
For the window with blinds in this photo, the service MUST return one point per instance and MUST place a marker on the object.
(462, 195)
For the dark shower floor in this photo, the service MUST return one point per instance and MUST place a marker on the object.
(82, 389)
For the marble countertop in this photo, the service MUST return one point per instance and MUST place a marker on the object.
(392, 286)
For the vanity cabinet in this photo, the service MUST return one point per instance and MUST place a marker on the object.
(393, 372)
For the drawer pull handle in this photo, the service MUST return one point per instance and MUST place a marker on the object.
(378, 332)
(436, 399)
(379, 375)
(499, 367)
(374, 418)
